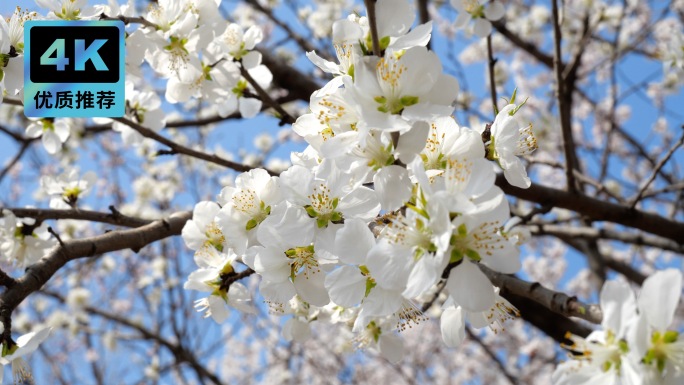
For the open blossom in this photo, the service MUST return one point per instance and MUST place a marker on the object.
(176, 45)
(380, 336)
(13, 353)
(381, 138)
(67, 187)
(213, 267)
(52, 132)
(11, 52)
(635, 345)
(510, 139)
(603, 357)
(454, 317)
(68, 9)
(288, 261)
(202, 233)
(351, 37)
(478, 238)
(330, 195)
(246, 205)
(145, 108)
(403, 86)
(353, 283)
(482, 12)
(661, 348)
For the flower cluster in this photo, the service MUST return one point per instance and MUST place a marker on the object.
(391, 197)
(202, 55)
(635, 345)
(187, 42)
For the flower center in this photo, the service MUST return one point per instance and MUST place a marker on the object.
(303, 260)
(214, 236)
(389, 73)
(322, 206)
(178, 54)
(69, 11)
(664, 348)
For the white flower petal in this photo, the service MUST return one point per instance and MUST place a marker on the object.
(494, 11)
(452, 324)
(659, 297)
(470, 288)
(346, 285)
(482, 27)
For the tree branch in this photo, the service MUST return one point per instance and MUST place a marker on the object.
(562, 96)
(492, 356)
(599, 234)
(39, 273)
(180, 353)
(657, 168)
(180, 149)
(285, 117)
(553, 300)
(113, 218)
(596, 209)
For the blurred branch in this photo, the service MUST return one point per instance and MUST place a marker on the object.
(657, 168)
(564, 98)
(24, 146)
(298, 85)
(492, 356)
(599, 234)
(180, 352)
(301, 42)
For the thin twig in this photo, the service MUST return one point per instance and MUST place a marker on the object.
(129, 20)
(54, 234)
(303, 43)
(285, 117)
(14, 160)
(657, 168)
(146, 132)
(492, 356)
